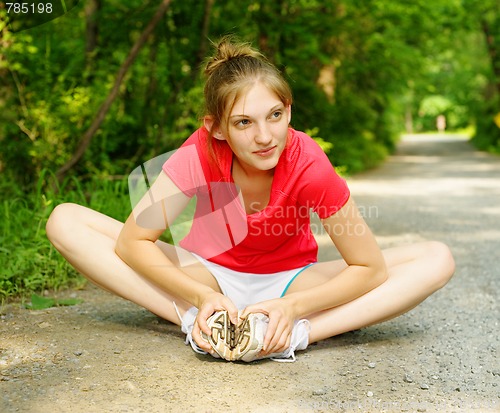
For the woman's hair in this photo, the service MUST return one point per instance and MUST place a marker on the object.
(233, 69)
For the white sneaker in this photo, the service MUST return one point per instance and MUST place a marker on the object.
(187, 324)
(251, 332)
(299, 341)
(222, 338)
(245, 342)
(232, 342)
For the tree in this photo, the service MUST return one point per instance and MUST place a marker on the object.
(485, 17)
(103, 110)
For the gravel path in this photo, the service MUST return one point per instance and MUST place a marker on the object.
(107, 355)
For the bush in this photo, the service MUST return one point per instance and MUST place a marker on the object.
(28, 261)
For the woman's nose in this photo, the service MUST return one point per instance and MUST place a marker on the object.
(263, 135)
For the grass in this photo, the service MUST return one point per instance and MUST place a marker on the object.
(28, 261)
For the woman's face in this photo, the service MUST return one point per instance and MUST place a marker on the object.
(257, 129)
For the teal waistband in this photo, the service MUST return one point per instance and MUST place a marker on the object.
(293, 278)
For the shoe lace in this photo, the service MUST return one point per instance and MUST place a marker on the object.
(288, 356)
(287, 359)
(187, 328)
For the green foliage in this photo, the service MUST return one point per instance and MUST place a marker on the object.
(485, 16)
(487, 136)
(325, 145)
(28, 262)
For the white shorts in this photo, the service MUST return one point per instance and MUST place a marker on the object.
(245, 288)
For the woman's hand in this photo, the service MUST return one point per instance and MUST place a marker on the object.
(281, 321)
(212, 302)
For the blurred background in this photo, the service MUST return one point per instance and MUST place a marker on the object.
(90, 95)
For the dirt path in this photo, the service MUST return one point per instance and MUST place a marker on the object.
(107, 355)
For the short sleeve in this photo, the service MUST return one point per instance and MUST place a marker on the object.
(185, 169)
(322, 189)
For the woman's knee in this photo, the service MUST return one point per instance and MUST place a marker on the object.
(442, 261)
(60, 222)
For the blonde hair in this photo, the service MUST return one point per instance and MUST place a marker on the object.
(231, 71)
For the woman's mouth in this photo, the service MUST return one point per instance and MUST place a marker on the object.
(266, 152)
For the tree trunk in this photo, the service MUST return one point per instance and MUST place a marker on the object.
(492, 52)
(103, 110)
(200, 55)
(91, 26)
(202, 51)
(91, 35)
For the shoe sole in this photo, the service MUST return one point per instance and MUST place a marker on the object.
(222, 334)
(250, 338)
(231, 342)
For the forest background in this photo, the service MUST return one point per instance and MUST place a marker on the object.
(88, 96)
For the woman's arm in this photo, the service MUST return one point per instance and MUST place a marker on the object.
(136, 242)
(365, 270)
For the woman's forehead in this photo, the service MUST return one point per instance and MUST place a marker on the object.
(256, 99)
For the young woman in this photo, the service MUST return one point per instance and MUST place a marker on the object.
(245, 282)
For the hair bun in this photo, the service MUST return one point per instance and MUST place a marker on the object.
(227, 49)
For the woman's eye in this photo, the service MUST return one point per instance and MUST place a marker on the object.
(276, 115)
(243, 122)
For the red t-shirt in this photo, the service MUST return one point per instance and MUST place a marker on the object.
(279, 237)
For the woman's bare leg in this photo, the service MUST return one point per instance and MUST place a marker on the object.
(414, 272)
(87, 239)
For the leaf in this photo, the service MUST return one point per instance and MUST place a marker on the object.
(69, 301)
(41, 303)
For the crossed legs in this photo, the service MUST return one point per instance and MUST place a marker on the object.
(414, 272)
(87, 238)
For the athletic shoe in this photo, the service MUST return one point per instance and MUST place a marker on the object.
(258, 324)
(299, 341)
(250, 337)
(223, 334)
(232, 342)
(244, 342)
(187, 324)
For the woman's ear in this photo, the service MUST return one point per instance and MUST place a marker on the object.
(210, 126)
(289, 113)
